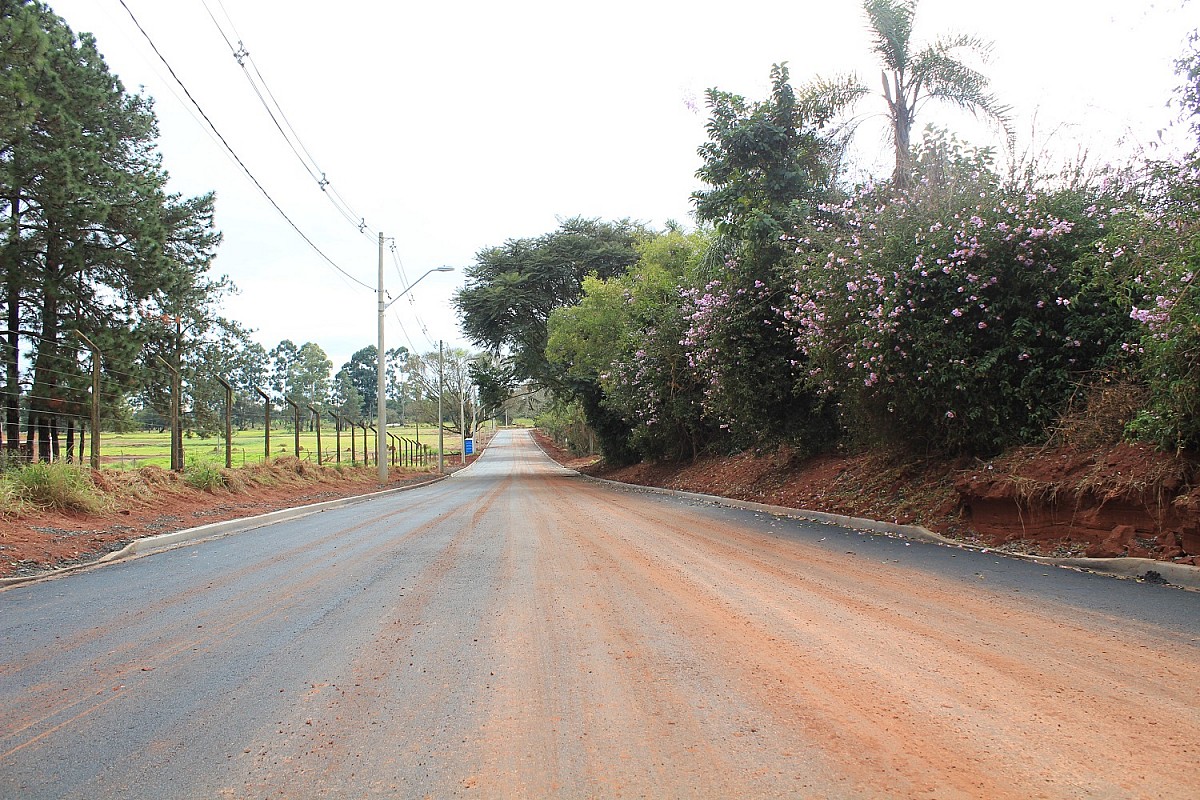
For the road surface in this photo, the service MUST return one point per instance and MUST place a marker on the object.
(515, 631)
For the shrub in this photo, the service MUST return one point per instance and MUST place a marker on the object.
(954, 314)
(740, 340)
(58, 485)
(204, 475)
(1159, 248)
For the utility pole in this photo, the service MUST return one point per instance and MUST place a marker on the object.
(380, 389)
(441, 427)
(381, 457)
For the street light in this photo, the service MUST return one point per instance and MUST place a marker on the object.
(380, 387)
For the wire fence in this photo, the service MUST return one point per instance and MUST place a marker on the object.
(66, 400)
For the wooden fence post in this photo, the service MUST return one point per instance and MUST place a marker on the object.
(317, 414)
(296, 426)
(228, 422)
(267, 439)
(94, 417)
(338, 435)
(176, 422)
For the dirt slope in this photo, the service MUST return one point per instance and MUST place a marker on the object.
(1123, 500)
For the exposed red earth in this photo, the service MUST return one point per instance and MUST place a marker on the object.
(1123, 500)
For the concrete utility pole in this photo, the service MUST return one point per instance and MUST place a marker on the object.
(441, 427)
(380, 382)
(381, 457)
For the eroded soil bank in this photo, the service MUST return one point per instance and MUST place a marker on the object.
(1124, 500)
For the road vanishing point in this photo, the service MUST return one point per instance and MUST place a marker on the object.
(517, 631)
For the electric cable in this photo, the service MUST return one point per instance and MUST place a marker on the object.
(237, 158)
(279, 118)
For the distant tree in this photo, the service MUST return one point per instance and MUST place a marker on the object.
(347, 400)
(283, 368)
(361, 373)
(310, 381)
(512, 289)
(912, 75)
(492, 377)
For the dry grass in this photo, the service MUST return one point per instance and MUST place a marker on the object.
(1099, 414)
(59, 487)
(65, 487)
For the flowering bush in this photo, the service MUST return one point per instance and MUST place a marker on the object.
(1157, 250)
(952, 314)
(650, 379)
(738, 340)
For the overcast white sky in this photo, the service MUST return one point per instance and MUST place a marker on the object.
(455, 126)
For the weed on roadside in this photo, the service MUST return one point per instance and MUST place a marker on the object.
(58, 486)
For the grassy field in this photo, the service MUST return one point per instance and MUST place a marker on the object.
(132, 450)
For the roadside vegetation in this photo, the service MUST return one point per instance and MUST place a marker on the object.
(63, 487)
(954, 309)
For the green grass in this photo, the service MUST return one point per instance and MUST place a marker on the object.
(204, 475)
(133, 450)
(59, 486)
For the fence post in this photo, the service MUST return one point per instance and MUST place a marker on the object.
(353, 449)
(374, 449)
(94, 417)
(267, 439)
(366, 452)
(337, 428)
(296, 426)
(176, 423)
(317, 414)
(228, 422)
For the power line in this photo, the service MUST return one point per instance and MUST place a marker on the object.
(275, 111)
(233, 153)
(411, 300)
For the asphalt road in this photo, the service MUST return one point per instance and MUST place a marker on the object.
(515, 631)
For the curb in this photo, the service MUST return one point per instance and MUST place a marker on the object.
(213, 530)
(1179, 575)
(478, 455)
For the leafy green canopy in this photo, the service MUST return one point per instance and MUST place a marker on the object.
(626, 332)
(768, 165)
(512, 290)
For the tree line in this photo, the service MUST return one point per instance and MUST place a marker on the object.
(951, 308)
(100, 261)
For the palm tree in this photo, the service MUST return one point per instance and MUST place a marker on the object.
(912, 77)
